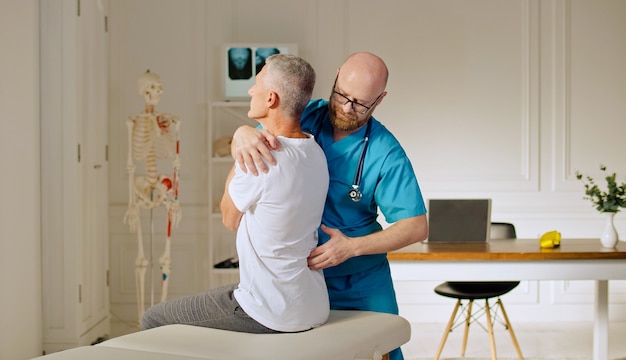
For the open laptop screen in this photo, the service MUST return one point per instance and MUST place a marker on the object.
(459, 220)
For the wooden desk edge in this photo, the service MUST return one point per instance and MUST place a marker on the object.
(510, 250)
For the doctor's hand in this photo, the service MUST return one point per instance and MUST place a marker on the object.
(335, 251)
(251, 148)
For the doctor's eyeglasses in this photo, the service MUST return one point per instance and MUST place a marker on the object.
(356, 106)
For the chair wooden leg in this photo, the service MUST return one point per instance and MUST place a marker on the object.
(385, 357)
(490, 329)
(468, 320)
(448, 329)
(510, 328)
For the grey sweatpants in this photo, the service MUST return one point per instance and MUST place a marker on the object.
(216, 308)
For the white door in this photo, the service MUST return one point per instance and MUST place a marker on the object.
(93, 117)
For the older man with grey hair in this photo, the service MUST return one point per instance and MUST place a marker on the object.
(276, 216)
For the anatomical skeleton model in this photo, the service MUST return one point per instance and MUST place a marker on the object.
(152, 136)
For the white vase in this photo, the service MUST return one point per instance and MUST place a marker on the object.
(609, 236)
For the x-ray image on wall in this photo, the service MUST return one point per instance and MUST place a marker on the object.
(244, 61)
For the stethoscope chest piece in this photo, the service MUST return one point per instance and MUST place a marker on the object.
(354, 194)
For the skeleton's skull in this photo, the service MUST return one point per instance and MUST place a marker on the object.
(150, 86)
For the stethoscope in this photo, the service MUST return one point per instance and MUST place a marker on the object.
(355, 193)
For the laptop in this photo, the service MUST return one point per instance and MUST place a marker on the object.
(459, 220)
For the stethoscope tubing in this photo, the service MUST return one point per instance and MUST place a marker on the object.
(355, 193)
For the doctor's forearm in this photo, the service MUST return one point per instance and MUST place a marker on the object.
(402, 233)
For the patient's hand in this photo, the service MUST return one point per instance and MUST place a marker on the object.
(252, 147)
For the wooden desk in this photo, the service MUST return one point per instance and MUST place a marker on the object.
(521, 259)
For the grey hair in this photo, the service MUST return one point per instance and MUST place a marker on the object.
(293, 78)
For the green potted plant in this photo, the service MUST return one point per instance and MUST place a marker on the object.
(608, 202)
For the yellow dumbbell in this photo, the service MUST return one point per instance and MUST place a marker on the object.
(550, 239)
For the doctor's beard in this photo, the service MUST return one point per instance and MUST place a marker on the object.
(345, 121)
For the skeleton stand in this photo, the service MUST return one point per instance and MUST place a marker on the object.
(152, 136)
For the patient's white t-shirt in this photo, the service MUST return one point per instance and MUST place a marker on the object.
(282, 212)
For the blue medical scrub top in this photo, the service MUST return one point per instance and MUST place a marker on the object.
(388, 182)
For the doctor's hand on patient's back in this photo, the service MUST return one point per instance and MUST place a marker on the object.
(335, 251)
(252, 147)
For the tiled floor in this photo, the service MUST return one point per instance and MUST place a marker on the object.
(572, 340)
(564, 341)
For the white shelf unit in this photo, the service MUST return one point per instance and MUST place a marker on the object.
(224, 118)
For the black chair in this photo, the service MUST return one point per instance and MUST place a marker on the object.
(480, 290)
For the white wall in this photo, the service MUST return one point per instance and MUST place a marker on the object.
(490, 98)
(20, 261)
